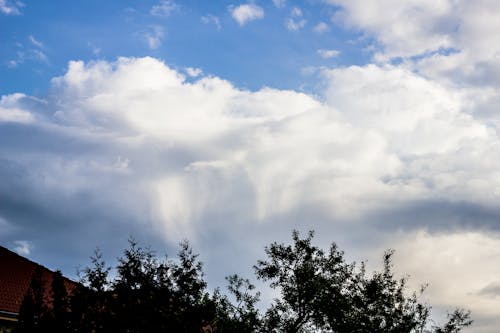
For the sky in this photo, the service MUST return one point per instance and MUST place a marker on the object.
(231, 123)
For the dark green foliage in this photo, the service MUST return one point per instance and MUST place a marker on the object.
(33, 309)
(242, 316)
(457, 320)
(319, 292)
(57, 320)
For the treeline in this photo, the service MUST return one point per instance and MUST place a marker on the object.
(318, 292)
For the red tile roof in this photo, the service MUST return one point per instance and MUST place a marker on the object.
(15, 277)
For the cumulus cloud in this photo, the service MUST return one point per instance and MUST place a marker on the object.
(450, 41)
(246, 13)
(11, 111)
(382, 134)
(135, 144)
(404, 28)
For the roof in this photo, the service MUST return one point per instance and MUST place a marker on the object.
(15, 278)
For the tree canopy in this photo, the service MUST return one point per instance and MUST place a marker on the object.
(318, 292)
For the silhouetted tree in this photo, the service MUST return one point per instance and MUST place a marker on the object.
(33, 308)
(243, 316)
(320, 292)
(90, 306)
(57, 319)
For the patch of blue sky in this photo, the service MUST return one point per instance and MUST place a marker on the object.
(199, 34)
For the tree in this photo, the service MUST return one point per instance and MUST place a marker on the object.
(320, 292)
(33, 307)
(57, 319)
(243, 316)
(90, 301)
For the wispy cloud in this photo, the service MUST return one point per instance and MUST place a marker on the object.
(34, 53)
(95, 50)
(279, 3)
(35, 42)
(296, 21)
(211, 19)
(327, 54)
(154, 37)
(11, 7)
(23, 247)
(246, 13)
(164, 8)
(321, 27)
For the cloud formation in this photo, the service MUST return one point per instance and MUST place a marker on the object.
(403, 152)
(154, 37)
(164, 8)
(246, 13)
(452, 41)
(321, 28)
(135, 144)
(212, 19)
(296, 20)
(327, 54)
(381, 134)
(8, 7)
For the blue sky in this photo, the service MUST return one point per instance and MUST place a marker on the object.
(231, 123)
(45, 37)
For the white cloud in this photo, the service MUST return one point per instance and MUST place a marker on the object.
(95, 50)
(154, 38)
(35, 42)
(23, 247)
(404, 28)
(458, 268)
(194, 72)
(13, 63)
(454, 41)
(279, 3)
(246, 13)
(33, 54)
(384, 134)
(38, 55)
(295, 22)
(11, 7)
(207, 19)
(295, 25)
(327, 54)
(321, 27)
(164, 8)
(11, 112)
